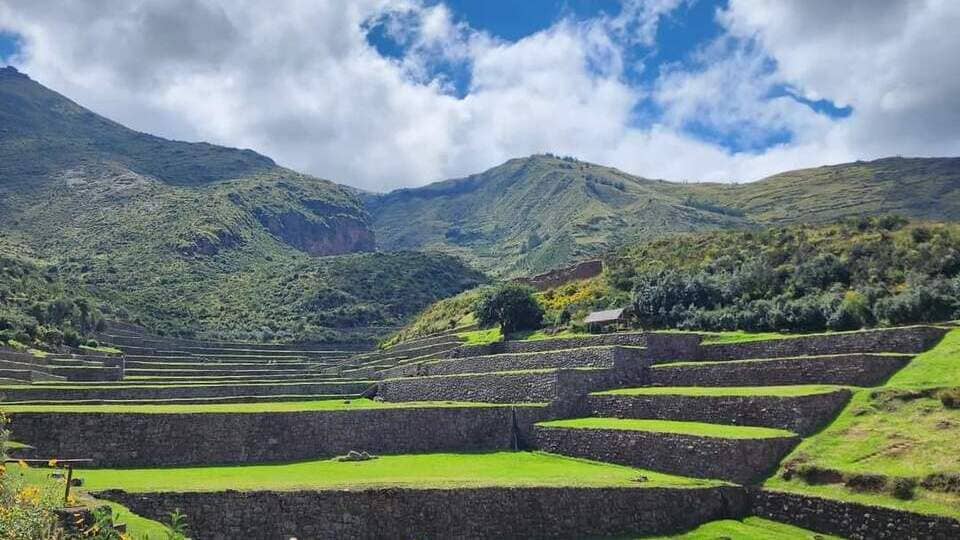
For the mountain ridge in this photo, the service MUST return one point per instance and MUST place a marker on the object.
(193, 237)
(601, 208)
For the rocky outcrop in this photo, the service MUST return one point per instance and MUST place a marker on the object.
(327, 235)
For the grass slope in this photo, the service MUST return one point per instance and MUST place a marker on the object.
(697, 429)
(751, 528)
(418, 471)
(900, 432)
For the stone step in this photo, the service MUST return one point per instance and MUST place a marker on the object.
(591, 357)
(87, 373)
(151, 392)
(264, 372)
(904, 340)
(799, 409)
(744, 455)
(538, 386)
(20, 375)
(205, 380)
(140, 364)
(865, 370)
(450, 339)
(269, 398)
(658, 344)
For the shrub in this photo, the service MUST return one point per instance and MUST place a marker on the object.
(950, 398)
(903, 488)
(511, 306)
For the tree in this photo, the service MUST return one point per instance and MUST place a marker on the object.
(512, 306)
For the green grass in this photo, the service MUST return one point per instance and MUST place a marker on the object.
(246, 408)
(925, 502)
(899, 430)
(138, 527)
(776, 391)
(666, 426)
(717, 338)
(422, 471)
(102, 349)
(481, 337)
(940, 366)
(751, 528)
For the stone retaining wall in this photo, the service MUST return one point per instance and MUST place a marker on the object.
(505, 513)
(907, 340)
(743, 461)
(88, 373)
(599, 357)
(69, 393)
(515, 387)
(852, 369)
(851, 520)
(636, 339)
(803, 415)
(147, 440)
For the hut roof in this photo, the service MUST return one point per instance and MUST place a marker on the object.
(608, 315)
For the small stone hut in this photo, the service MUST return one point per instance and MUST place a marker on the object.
(606, 320)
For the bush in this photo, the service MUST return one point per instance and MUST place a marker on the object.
(511, 306)
(950, 398)
(903, 488)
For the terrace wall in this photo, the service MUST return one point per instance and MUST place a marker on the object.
(665, 345)
(598, 357)
(850, 520)
(908, 340)
(743, 461)
(800, 414)
(140, 440)
(510, 387)
(157, 392)
(442, 513)
(852, 369)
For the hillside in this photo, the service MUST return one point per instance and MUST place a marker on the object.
(800, 278)
(534, 214)
(192, 237)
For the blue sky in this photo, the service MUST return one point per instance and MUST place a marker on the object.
(680, 36)
(383, 94)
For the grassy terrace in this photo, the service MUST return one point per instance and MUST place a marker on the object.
(697, 429)
(751, 528)
(745, 391)
(269, 407)
(420, 471)
(901, 430)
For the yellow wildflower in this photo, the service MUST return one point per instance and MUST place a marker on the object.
(52, 463)
(23, 464)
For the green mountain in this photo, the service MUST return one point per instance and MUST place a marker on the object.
(534, 214)
(193, 237)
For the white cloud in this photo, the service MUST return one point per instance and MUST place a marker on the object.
(299, 82)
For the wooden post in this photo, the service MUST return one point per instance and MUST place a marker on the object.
(66, 493)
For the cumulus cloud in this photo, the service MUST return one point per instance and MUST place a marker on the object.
(299, 81)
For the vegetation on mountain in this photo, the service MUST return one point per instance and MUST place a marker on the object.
(535, 214)
(860, 273)
(538, 213)
(38, 310)
(191, 238)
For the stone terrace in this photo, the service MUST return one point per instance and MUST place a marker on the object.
(663, 402)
